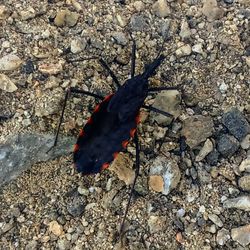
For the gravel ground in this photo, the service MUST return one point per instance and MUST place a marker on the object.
(50, 206)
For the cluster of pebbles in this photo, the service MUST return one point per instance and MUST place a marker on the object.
(196, 200)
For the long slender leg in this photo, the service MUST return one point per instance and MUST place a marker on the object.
(67, 95)
(105, 66)
(158, 89)
(157, 110)
(137, 170)
(133, 57)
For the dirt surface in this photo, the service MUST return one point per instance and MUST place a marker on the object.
(51, 206)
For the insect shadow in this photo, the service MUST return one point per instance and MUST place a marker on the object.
(114, 121)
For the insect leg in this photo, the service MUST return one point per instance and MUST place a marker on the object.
(157, 110)
(105, 66)
(133, 57)
(137, 170)
(158, 89)
(67, 95)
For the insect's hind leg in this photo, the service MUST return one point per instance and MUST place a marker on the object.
(67, 95)
(158, 89)
(137, 170)
(133, 57)
(150, 108)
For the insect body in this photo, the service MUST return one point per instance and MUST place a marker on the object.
(112, 124)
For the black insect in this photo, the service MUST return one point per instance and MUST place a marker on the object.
(114, 121)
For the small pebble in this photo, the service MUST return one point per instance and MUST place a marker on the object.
(156, 223)
(236, 123)
(10, 62)
(227, 145)
(77, 45)
(55, 228)
(164, 175)
(206, 149)
(244, 182)
(123, 167)
(245, 143)
(222, 236)
(197, 129)
(241, 235)
(242, 202)
(6, 84)
(184, 50)
(245, 165)
(66, 17)
(215, 219)
(161, 9)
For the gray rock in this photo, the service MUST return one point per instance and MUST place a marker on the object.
(245, 143)
(10, 62)
(227, 145)
(164, 175)
(184, 50)
(244, 182)
(161, 9)
(185, 31)
(78, 45)
(21, 151)
(138, 23)
(242, 202)
(205, 150)
(236, 123)
(6, 84)
(211, 10)
(241, 235)
(245, 165)
(222, 236)
(63, 244)
(212, 158)
(228, 1)
(197, 129)
(97, 44)
(215, 219)
(120, 38)
(32, 245)
(76, 206)
(168, 101)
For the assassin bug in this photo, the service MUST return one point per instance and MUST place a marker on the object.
(114, 121)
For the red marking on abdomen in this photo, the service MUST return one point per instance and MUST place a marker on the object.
(115, 154)
(137, 119)
(90, 121)
(97, 108)
(81, 133)
(105, 165)
(76, 147)
(107, 98)
(124, 144)
(132, 132)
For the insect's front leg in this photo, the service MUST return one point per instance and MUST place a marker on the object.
(67, 96)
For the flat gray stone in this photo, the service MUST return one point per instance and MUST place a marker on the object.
(21, 151)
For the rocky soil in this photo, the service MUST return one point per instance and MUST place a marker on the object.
(198, 199)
